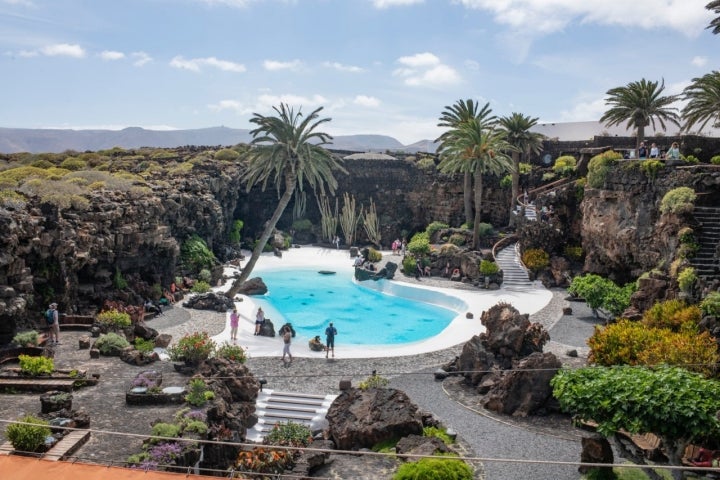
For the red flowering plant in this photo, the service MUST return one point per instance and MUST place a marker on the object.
(192, 348)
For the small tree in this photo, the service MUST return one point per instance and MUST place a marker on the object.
(677, 405)
(602, 293)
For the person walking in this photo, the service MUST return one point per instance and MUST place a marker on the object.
(53, 321)
(259, 320)
(287, 339)
(330, 333)
(234, 320)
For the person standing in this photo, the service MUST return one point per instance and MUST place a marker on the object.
(259, 320)
(654, 151)
(53, 321)
(234, 324)
(336, 241)
(287, 339)
(330, 333)
(673, 152)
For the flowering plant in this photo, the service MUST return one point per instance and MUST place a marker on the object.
(233, 353)
(192, 348)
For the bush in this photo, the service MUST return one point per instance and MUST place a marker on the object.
(438, 433)
(548, 176)
(711, 304)
(485, 229)
(695, 352)
(409, 265)
(434, 227)
(574, 253)
(678, 200)
(227, 155)
(24, 339)
(426, 163)
(230, 352)
(434, 468)
(419, 244)
(289, 434)
(73, 163)
(651, 168)
(193, 347)
(114, 319)
(599, 167)
(205, 275)
(237, 226)
(506, 181)
(196, 254)
(457, 239)
(488, 268)
(374, 381)
(715, 160)
(565, 165)
(692, 159)
(374, 255)
(675, 315)
(197, 392)
(28, 438)
(263, 460)
(35, 366)
(144, 346)
(111, 343)
(302, 225)
(535, 259)
(119, 281)
(200, 286)
(686, 279)
(168, 430)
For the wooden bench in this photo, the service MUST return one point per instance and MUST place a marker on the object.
(68, 445)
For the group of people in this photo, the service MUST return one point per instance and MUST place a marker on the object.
(673, 153)
(399, 247)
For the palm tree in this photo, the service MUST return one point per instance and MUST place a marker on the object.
(640, 104)
(703, 96)
(453, 117)
(481, 146)
(288, 151)
(715, 24)
(517, 127)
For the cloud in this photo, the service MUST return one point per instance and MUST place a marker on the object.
(141, 58)
(472, 65)
(296, 101)
(426, 70)
(699, 61)
(273, 65)
(586, 110)
(63, 50)
(25, 3)
(111, 55)
(688, 17)
(343, 68)
(366, 101)
(394, 3)
(232, 105)
(196, 64)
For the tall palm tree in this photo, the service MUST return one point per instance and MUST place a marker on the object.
(480, 145)
(703, 96)
(453, 117)
(715, 24)
(517, 128)
(640, 104)
(288, 151)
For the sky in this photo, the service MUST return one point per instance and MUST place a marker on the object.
(386, 67)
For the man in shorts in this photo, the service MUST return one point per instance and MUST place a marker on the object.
(330, 333)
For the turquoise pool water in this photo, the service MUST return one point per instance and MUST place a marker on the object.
(362, 316)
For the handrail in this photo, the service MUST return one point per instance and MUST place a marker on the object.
(502, 242)
(543, 188)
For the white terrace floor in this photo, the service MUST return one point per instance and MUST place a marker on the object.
(459, 331)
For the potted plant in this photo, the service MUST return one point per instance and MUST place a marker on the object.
(55, 400)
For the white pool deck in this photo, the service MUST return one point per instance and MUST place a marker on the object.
(459, 331)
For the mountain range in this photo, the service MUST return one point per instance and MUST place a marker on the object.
(14, 140)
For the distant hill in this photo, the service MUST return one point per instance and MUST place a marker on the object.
(13, 140)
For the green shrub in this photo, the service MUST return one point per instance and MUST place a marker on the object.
(466, 226)
(434, 469)
(488, 267)
(119, 281)
(574, 252)
(302, 225)
(28, 438)
(710, 305)
(235, 231)
(264, 460)
(580, 188)
(192, 347)
(289, 434)
(485, 229)
(675, 315)
(205, 275)
(536, 259)
(438, 433)
(386, 446)
(111, 343)
(144, 346)
(651, 168)
(167, 430)
(24, 339)
(196, 426)
(548, 176)
(374, 381)
(419, 244)
(678, 200)
(525, 168)
(196, 254)
(692, 159)
(73, 163)
(506, 181)
(409, 265)
(686, 279)
(457, 239)
(114, 319)
(196, 392)
(599, 167)
(230, 352)
(35, 366)
(200, 287)
(449, 249)
(426, 164)
(434, 227)
(42, 163)
(227, 155)
(565, 165)
(715, 160)
(374, 255)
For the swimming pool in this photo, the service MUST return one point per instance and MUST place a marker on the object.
(381, 315)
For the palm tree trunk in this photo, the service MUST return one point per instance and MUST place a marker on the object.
(467, 197)
(478, 206)
(515, 183)
(269, 227)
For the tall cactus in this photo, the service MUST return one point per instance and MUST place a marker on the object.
(329, 220)
(349, 219)
(371, 224)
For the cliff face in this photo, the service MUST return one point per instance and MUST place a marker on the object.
(623, 232)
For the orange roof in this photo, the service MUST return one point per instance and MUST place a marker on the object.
(15, 467)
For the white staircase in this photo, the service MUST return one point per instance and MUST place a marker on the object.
(530, 211)
(514, 274)
(274, 407)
